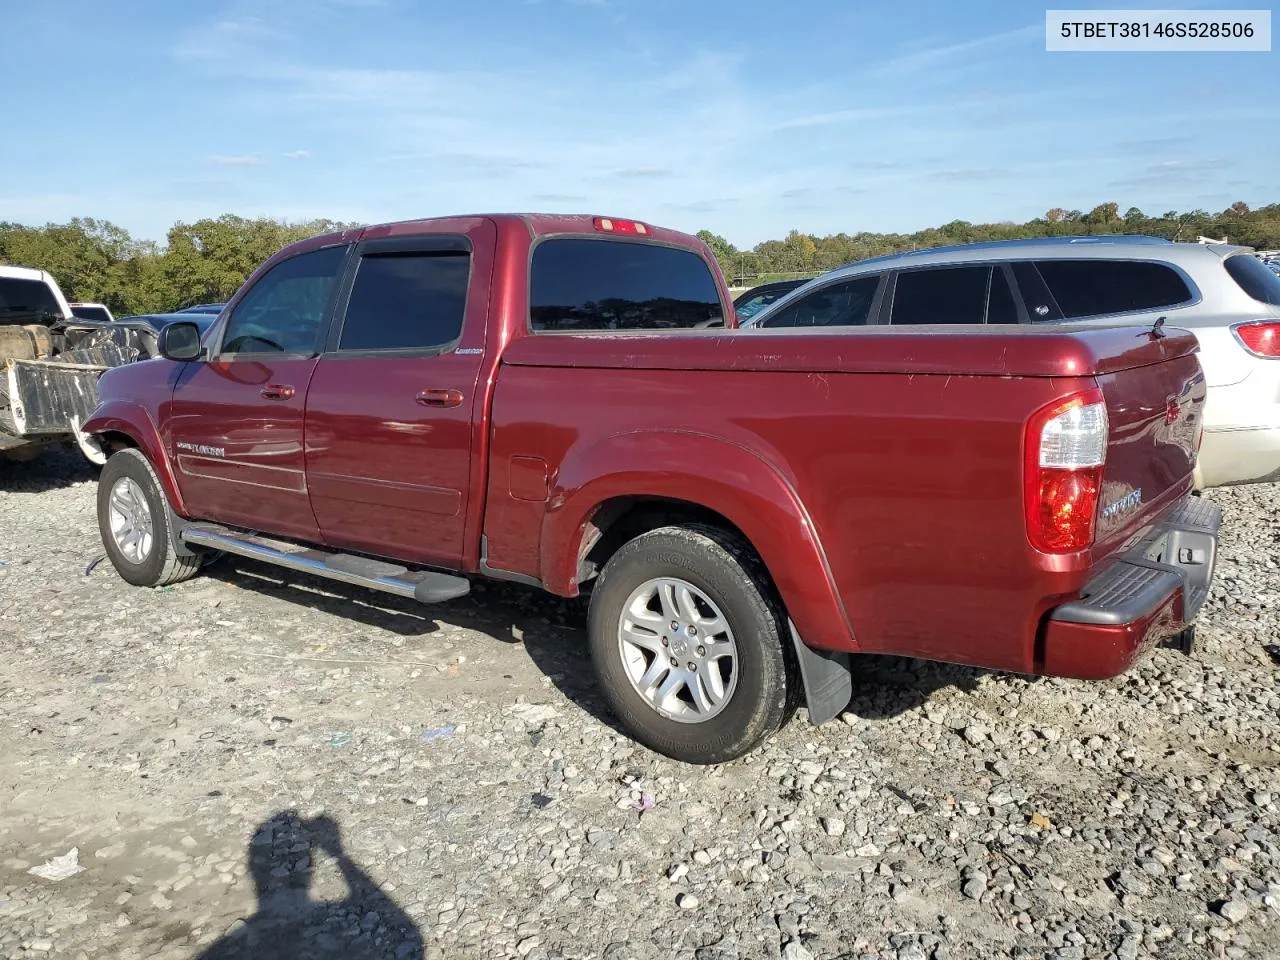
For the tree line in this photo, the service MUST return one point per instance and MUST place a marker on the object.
(207, 261)
(801, 254)
(201, 262)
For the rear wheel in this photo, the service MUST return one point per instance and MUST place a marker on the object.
(687, 644)
(133, 520)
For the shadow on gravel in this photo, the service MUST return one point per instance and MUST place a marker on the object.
(51, 470)
(550, 629)
(288, 924)
(552, 632)
(885, 687)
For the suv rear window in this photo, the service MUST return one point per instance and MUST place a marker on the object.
(1089, 288)
(940, 295)
(27, 301)
(588, 284)
(1254, 278)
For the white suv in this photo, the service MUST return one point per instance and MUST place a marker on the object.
(1224, 294)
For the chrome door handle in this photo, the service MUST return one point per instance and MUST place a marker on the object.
(278, 391)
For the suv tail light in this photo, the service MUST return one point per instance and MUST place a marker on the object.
(1066, 448)
(1260, 337)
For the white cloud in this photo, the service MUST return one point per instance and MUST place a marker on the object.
(298, 154)
(932, 59)
(238, 160)
(225, 38)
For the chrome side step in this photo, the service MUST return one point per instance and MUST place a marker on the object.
(425, 586)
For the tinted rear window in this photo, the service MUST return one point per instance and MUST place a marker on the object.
(91, 313)
(587, 284)
(941, 295)
(406, 301)
(27, 301)
(1088, 288)
(1035, 295)
(1254, 278)
(1000, 305)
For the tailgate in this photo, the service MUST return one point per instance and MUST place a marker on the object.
(1156, 414)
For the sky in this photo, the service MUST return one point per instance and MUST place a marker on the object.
(746, 118)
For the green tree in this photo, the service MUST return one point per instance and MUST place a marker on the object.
(1103, 214)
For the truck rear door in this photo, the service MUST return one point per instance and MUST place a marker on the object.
(391, 408)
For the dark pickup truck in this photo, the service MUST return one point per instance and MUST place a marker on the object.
(556, 401)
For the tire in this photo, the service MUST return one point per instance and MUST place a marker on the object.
(148, 561)
(753, 690)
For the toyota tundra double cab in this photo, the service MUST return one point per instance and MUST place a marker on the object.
(562, 401)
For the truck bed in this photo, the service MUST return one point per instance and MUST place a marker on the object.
(902, 450)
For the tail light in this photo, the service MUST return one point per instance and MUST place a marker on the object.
(1261, 337)
(1066, 447)
(610, 225)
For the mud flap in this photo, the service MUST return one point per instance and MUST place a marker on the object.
(1184, 641)
(827, 677)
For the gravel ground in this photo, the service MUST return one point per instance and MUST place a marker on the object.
(262, 762)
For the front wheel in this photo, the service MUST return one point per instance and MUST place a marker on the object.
(687, 643)
(134, 523)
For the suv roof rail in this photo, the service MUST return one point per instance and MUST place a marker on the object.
(1130, 238)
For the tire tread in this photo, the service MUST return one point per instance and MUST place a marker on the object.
(717, 552)
(173, 568)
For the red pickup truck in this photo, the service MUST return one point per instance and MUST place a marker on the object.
(555, 400)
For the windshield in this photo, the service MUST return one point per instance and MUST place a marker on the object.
(27, 301)
(753, 305)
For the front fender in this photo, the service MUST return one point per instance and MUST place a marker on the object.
(734, 481)
(132, 420)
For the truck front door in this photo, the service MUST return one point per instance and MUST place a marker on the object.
(235, 422)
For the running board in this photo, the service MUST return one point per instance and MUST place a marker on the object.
(425, 586)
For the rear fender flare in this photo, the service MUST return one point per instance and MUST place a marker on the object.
(746, 489)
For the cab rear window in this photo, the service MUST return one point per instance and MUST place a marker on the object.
(27, 301)
(582, 284)
(1253, 277)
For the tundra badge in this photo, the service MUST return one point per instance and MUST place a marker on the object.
(1127, 502)
(201, 449)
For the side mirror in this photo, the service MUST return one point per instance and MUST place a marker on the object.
(180, 341)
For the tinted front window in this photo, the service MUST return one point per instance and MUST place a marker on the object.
(582, 284)
(27, 301)
(284, 310)
(408, 300)
(846, 304)
(941, 295)
(91, 313)
(1254, 278)
(1087, 288)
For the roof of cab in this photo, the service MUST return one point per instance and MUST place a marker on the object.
(538, 225)
(23, 273)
